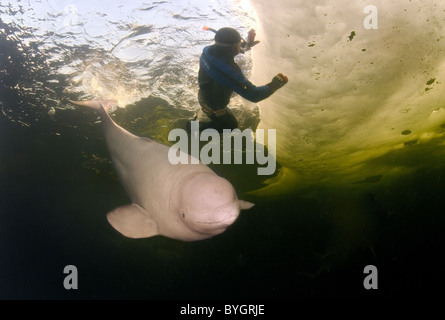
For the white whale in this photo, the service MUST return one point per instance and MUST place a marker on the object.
(185, 201)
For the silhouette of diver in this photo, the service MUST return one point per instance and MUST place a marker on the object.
(219, 76)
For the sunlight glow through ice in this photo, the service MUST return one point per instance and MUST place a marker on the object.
(351, 91)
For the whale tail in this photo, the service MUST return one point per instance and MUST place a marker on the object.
(95, 104)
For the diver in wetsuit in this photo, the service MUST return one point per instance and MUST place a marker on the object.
(219, 76)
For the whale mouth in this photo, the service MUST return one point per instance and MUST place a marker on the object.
(221, 223)
(229, 217)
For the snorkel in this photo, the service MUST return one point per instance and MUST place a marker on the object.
(209, 29)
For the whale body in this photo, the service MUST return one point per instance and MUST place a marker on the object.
(187, 202)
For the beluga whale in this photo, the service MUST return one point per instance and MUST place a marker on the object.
(187, 202)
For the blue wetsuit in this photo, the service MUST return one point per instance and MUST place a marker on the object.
(219, 76)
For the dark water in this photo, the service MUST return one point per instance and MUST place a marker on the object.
(57, 184)
(54, 202)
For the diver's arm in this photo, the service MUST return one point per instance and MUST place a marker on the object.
(253, 93)
(228, 74)
(256, 94)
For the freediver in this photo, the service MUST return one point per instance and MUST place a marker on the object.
(219, 76)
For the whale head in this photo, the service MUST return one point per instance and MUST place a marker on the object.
(209, 204)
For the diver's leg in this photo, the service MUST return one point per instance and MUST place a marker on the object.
(218, 122)
(206, 125)
(202, 125)
(228, 120)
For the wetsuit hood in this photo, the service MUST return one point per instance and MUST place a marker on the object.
(227, 37)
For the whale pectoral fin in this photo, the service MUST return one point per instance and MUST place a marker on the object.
(133, 221)
(244, 205)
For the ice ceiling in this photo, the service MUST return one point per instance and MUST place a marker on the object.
(362, 104)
